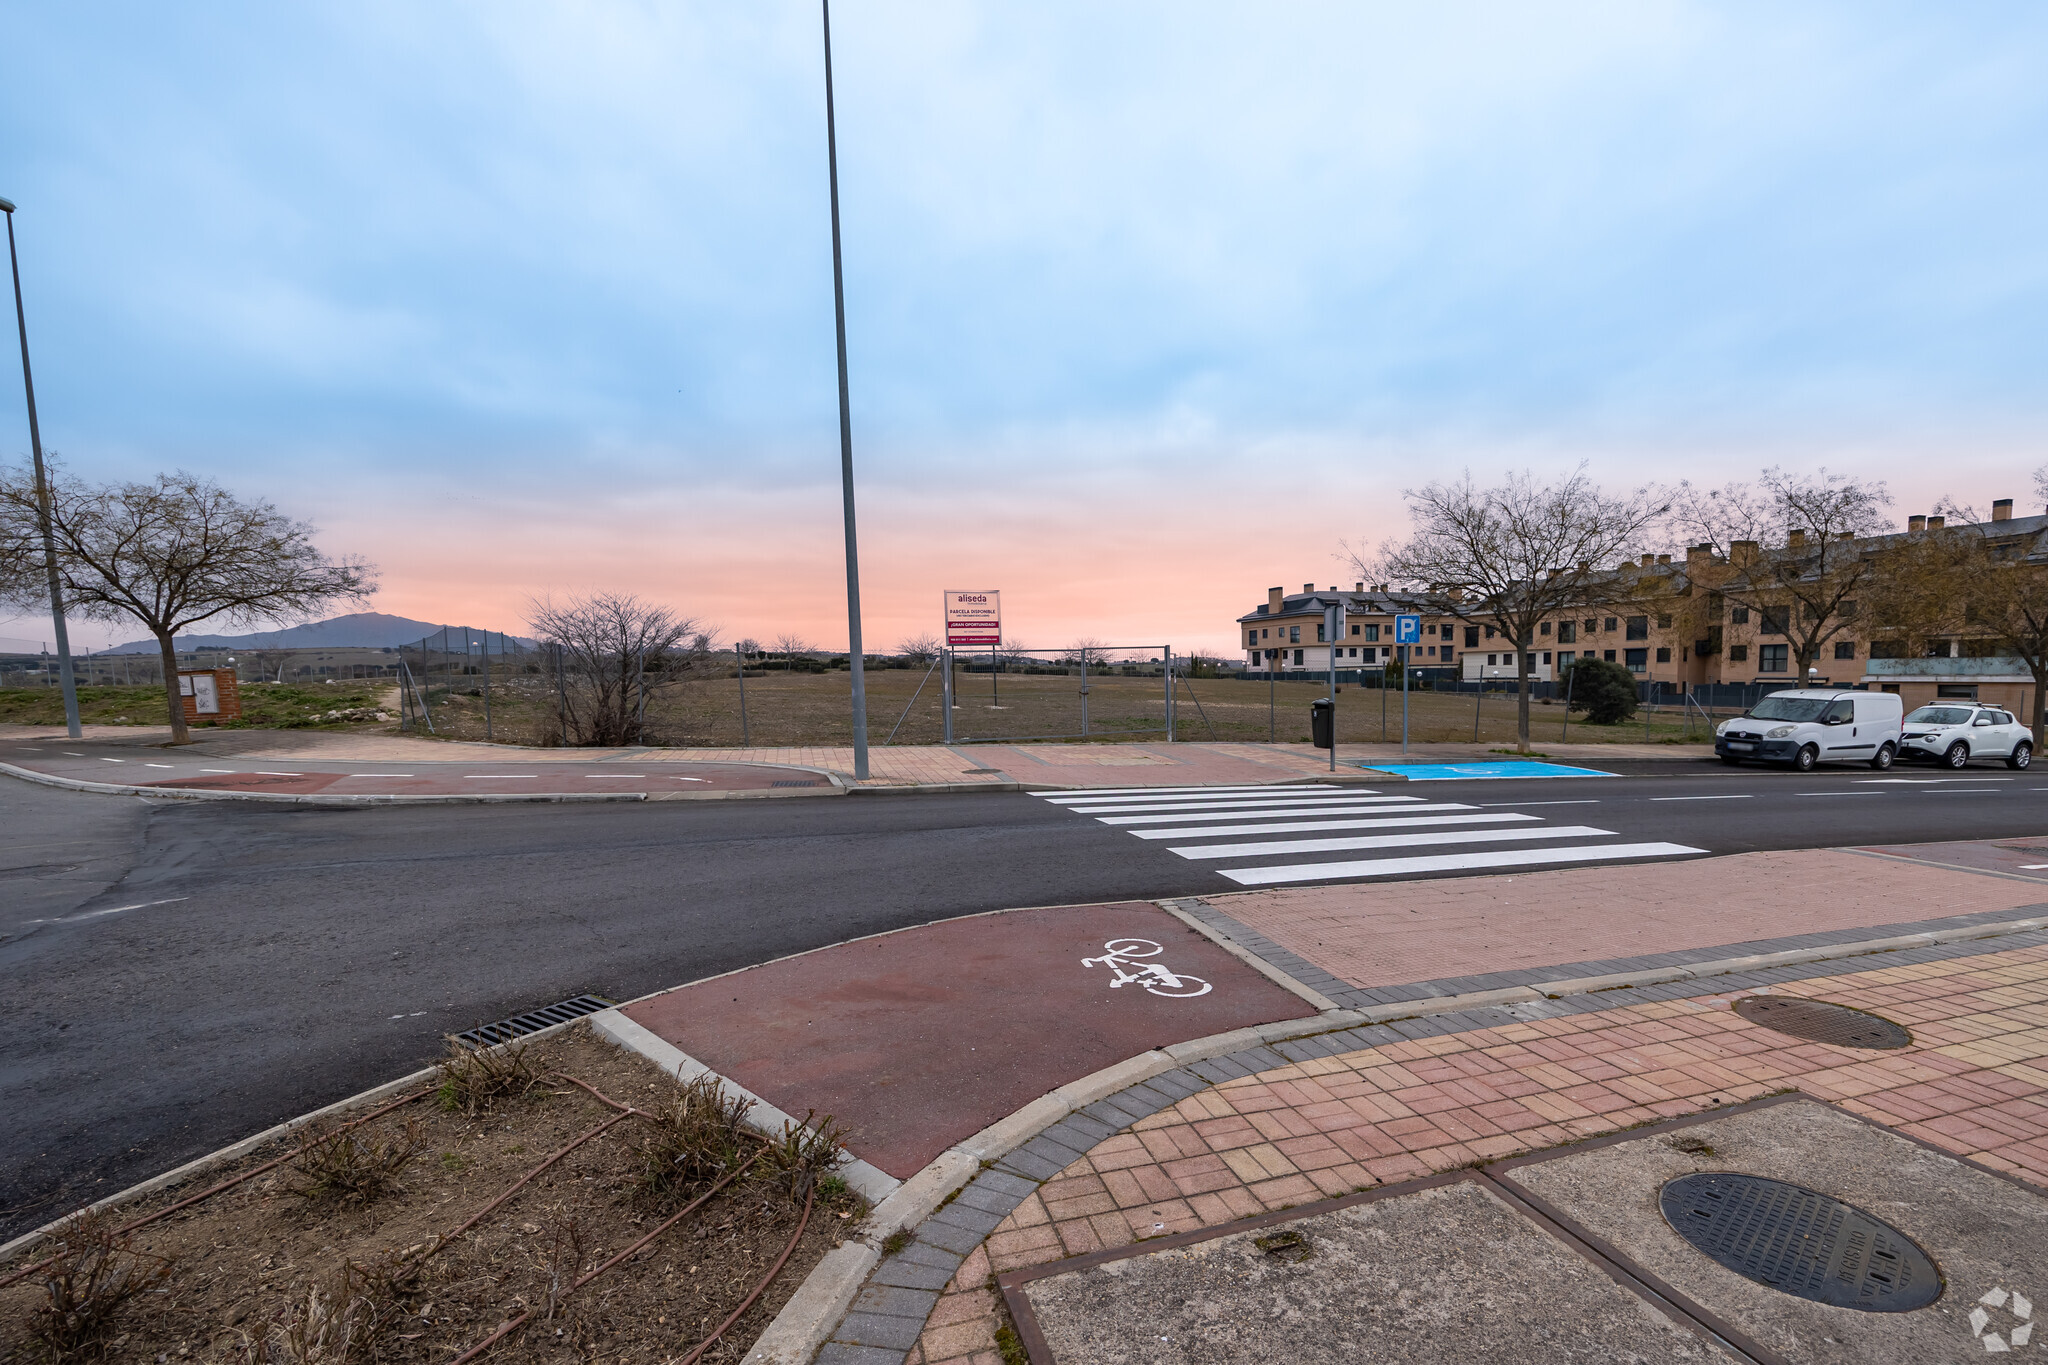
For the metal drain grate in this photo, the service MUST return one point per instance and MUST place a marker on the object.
(1804, 1243)
(1819, 1022)
(533, 1021)
(796, 784)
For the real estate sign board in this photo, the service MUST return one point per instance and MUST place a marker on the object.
(974, 618)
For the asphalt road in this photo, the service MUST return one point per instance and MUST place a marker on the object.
(177, 975)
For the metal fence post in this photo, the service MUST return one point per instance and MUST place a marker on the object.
(1166, 657)
(949, 695)
(1084, 692)
(740, 662)
(487, 687)
(562, 691)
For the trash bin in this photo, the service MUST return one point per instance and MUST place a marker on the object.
(1322, 718)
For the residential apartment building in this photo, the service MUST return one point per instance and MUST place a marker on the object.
(1287, 633)
(1671, 623)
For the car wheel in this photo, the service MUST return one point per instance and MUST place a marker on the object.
(1804, 760)
(1883, 758)
(1958, 755)
(2022, 755)
(1732, 760)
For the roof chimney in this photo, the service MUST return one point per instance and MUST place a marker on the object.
(1273, 599)
(2002, 510)
(1663, 559)
(1796, 538)
(1742, 552)
(1308, 587)
(1358, 587)
(1648, 560)
(1936, 523)
(1549, 574)
(1915, 523)
(1700, 554)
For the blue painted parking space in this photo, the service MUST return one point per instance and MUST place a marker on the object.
(1446, 772)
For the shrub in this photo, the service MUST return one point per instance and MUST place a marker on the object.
(1605, 691)
(341, 1165)
(697, 1139)
(472, 1079)
(93, 1272)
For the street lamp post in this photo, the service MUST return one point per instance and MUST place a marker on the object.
(35, 441)
(855, 660)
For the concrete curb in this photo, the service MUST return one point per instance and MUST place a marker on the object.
(834, 787)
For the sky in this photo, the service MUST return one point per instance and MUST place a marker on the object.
(1149, 306)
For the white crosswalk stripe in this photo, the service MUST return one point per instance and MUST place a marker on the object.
(1210, 823)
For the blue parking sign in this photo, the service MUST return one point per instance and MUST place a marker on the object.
(1407, 630)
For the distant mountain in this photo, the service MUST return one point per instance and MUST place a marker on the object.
(359, 630)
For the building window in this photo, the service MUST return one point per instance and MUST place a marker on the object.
(1664, 623)
(1319, 633)
(1845, 649)
(1738, 654)
(1609, 655)
(1543, 629)
(1546, 656)
(1372, 632)
(1611, 623)
(1776, 620)
(1638, 660)
(1638, 627)
(1445, 630)
(1471, 637)
(1664, 655)
(1567, 632)
(1565, 657)
(1739, 615)
(1771, 658)
(1297, 656)
(1493, 660)
(1592, 623)
(1294, 635)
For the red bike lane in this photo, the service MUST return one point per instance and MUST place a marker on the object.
(918, 1039)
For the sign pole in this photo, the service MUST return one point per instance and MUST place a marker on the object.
(1404, 700)
(947, 657)
(1333, 619)
(856, 658)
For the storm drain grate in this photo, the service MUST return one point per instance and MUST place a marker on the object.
(533, 1021)
(1801, 1242)
(796, 784)
(1819, 1022)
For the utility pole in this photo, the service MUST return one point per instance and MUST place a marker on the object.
(35, 441)
(855, 661)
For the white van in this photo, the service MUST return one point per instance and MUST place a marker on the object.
(1812, 725)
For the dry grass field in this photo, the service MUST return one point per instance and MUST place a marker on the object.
(803, 708)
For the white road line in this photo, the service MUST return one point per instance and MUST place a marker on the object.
(380, 774)
(68, 754)
(1277, 813)
(113, 760)
(1838, 793)
(1120, 808)
(1197, 832)
(1965, 791)
(2032, 867)
(217, 770)
(1926, 781)
(114, 910)
(498, 775)
(1582, 801)
(1449, 862)
(265, 772)
(156, 765)
(1099, 793)
(1744, 797)
(1282, 847)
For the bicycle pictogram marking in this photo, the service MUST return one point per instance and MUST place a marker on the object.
(1121, 956)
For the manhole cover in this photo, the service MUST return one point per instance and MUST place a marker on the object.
(1820, 1022)
(1801, 1242)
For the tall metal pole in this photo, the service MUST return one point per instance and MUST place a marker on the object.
(1334, 619)
(35, 441)
(854, 658)
(1402, 650)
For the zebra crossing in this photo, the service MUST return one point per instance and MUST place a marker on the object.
(1272, 835)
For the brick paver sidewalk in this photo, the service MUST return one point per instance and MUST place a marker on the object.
(1975, 1082)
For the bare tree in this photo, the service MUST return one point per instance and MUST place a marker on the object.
(618, 653)
(270, 663)
(748, 647)
(1092, 652)
(1516, 554)
(1972, 578)
(791, 647)
(178, 551)
(1798, 550)
(921, 648)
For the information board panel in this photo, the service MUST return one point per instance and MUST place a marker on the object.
(974, 618)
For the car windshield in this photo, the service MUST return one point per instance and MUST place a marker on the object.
(1790, 708)
(1940, 715)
